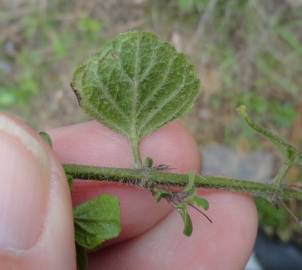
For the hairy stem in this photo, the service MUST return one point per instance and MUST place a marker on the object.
(136, 153)
(289, 152)
(143, 177)
(282, 173)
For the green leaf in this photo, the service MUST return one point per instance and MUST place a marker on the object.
(183, 210)
(160, 194)
(70, 180)
(271, 216)
(136, 84)
(96, 221)
(45, 136)
(200, 202)
(148, 162)
(193, 198)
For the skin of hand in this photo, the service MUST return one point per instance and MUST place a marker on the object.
(36, 229)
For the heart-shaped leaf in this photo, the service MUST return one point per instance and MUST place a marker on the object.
(136, 84)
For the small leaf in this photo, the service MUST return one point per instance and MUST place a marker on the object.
(148, 162)
(136, 84)
(82, 259)
(45, 136)
(70, 180)
(200, 202)
(96, 221)
(160, 194)
(193, 198)
(183, 210)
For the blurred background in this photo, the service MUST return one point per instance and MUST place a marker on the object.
(246, 52)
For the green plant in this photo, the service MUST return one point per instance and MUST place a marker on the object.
(134, 85)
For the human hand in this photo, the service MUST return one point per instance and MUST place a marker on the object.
(36, 229)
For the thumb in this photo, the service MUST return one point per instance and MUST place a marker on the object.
(36, 230)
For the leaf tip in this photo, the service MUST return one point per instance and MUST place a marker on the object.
(45, 136)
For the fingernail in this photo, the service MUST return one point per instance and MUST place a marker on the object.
(24, 186)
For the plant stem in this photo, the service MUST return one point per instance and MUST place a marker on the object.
(136, 153)
(281, 174)
(143, 177)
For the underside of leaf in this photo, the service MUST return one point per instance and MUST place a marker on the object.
(136, 84)
(97, 220)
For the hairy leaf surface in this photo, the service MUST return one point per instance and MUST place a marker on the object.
(136, 84)
(96, 221)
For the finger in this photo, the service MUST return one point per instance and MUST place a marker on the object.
(231, 213)
(225, 244)
(36, 230)
(93, 144)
